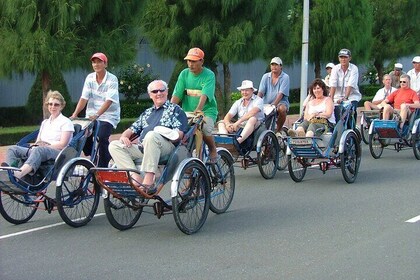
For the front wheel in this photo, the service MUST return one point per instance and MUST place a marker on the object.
(17, 208)
(78, 195)
(268, 155)
(123, 213)
(376, 146)
(190, 206)
(222, 177)
(415, 138)
(365, 133)
(350, 158)
(297, 167)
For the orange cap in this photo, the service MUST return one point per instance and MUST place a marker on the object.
(194, 54)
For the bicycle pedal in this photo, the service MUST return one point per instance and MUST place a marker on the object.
(158, 209)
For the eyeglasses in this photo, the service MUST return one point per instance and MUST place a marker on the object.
(403, 82)
(54, 104)
(158, 90)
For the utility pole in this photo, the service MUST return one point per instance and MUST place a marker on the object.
(304, 61)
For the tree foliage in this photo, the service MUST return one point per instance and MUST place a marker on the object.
(50, 36)
(229, 31)
(333, 25)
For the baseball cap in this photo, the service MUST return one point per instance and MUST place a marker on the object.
(276, 60)
(101, 56)
(247, 84)
(194, 54)
(398, 66)
(416, 59)
(329, 65)
(344, 52)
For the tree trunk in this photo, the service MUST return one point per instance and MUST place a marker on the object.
(46, 86)
(317, 69)
(226, 89)
(379, 69)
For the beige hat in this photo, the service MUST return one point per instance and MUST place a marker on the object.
(247, 84)
(329, 65)
(416, 59)
(398, 66)
(276, 60)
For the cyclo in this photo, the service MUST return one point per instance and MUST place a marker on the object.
(339, 148)
(384, 133)
(195, 186)
(365, 122)
(76, 197)
(263, 141)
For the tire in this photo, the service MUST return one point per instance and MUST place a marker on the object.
(297, 168)
(78, 195)
(190, 206)
(364, 129)
(376, 146)
(120, 212)
(17, 208)
(350, 158)
(268, 156)
(282, 155)
(358, 134)
(415, 138)
(222, 177)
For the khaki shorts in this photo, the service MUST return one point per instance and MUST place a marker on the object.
(208, 126)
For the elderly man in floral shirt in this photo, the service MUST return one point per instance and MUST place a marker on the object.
(159, 129)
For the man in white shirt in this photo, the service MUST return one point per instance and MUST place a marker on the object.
(415, 75)
(381, 94)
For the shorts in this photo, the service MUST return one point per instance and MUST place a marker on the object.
(208, 126)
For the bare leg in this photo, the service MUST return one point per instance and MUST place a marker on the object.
(25, 169)
(248, 129)
(222, 128)
(209, 140)
(404, 113)
(281, 116)
(388, 111)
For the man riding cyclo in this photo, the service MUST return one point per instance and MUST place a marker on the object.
(404, 101)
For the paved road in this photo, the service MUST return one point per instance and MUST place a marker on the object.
(321, 228)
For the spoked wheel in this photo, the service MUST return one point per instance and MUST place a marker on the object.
(123, 213)
(297, 167)
(415, 138)
(282, 154)
(17, 208)
(78, 195)
(268, 156)
(364, 129)
(358, 132)
(350, 158)
(376, 146)
(222, 177)
(190, 206)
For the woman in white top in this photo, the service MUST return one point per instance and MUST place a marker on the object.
(54, 135)
(319, 112)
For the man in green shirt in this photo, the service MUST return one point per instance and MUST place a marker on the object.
(195, 89)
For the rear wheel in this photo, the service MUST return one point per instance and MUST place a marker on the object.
(365, 133)
(222, 177)
(78, 195)
(376, 146)
(415, 138)
(282, 154)
(297, 167)
(350, 158)
(17, 208)
(123, 213)
(190, 206)
(268, 156)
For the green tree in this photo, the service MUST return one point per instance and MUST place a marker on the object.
(229, 31)
(395, 31)
(333, 25)
(46, 37)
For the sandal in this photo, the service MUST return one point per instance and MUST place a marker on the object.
(149, 189)
(213, 160)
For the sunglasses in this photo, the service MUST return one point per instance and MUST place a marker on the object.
(158, 90)
(54, 104)
(403, 82)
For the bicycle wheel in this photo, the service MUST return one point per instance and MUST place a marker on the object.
(376, 146)
(364, 129)
(190, 206)
(78, 195)
(268, 156)
(123, 213)
(350, 158)
(222, 177)
(415, 138)
(17, 208)
(282, 154)
(297, 167)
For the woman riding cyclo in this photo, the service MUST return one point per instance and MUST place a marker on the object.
(249, 113)
(319, 112)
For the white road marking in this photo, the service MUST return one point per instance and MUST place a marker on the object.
(413, 220)
(38, 228)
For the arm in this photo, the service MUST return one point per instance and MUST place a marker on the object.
(64, 140)
(80, 105)
(125, 137)
(175, 99)
(203, 99)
